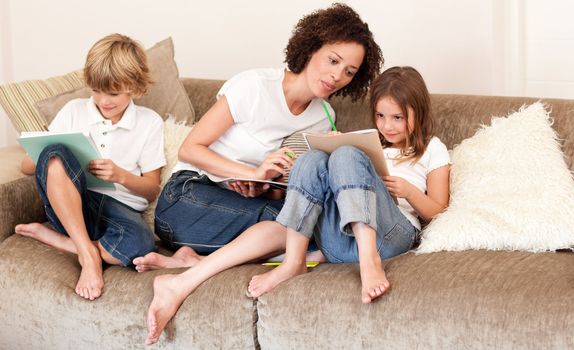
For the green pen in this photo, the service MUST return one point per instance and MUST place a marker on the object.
(329, 116)
(290, 155)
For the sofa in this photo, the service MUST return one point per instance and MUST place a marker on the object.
(459, 300)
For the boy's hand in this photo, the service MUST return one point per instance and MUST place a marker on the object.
(107, 170)
(398, 186)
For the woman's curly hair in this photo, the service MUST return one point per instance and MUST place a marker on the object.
(338, 23)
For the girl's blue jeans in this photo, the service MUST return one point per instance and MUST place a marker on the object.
(328, 193)
(195, 212)
(120, 229)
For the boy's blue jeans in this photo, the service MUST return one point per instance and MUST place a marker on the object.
(328, 193)
(194, 212)
(120, 229)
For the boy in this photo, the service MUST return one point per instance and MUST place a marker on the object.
(102, 224)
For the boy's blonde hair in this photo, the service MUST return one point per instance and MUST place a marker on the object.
(117, 63)
(407, 87)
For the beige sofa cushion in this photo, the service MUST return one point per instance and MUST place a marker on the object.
(31, 105)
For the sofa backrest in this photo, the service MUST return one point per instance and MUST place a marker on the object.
(456, 116)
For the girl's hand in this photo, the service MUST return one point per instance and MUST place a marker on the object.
(107, 170)
(398, 186)
(248, 188)
(274, 165)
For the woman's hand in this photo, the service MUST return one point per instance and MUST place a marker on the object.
(274, 165)
(248, 188)
(398, 186)
(107, 170)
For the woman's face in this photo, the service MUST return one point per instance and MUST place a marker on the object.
(333, 66)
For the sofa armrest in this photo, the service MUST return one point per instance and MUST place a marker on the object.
(19, 199)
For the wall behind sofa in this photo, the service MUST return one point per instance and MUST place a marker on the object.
(460, 46)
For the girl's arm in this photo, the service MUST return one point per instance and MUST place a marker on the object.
(426, 205)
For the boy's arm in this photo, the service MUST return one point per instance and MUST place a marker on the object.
(146, 185)
(27, 166)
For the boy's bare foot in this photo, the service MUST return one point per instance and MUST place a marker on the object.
(374, 281)
(91, 282)
(45, 235)
(167, 298)
(261, 284)
(184, 257)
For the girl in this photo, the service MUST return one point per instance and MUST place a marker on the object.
(342, 202)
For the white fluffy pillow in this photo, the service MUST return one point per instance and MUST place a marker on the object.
(510, 190)
(173, 135)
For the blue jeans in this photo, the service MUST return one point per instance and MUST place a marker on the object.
(328, 193)
(120, 229)
(195, 212)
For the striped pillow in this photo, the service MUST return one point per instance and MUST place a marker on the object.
(18, 99)
(296, 143)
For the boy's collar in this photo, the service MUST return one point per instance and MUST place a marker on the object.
(127, 121)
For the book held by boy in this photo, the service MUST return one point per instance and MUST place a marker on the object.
(80, 144)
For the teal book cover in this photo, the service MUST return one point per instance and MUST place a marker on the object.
(80, 144)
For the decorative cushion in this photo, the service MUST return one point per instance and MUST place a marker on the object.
(510, 189)
(31, 105)
(296, 143)
(174, 133)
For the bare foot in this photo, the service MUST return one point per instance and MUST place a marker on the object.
(264, 283)
(91, 282)
(45, 235)
(167, 298)
(184, 257)
(315, 255)
(374, 281)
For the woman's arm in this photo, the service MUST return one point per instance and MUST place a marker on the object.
(426, 205)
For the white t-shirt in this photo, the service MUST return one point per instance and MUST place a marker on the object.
(435, 156)
(262, 118)
(134, 143)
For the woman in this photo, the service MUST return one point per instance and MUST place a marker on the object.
(331, 52)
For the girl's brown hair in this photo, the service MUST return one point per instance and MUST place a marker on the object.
(115, 63)
(407, 88)
(338, 23)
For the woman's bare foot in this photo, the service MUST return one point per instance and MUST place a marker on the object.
(315, 255)
(91, 282)
(264, 283)
(167, 298)
(184, 257)
(374, 281)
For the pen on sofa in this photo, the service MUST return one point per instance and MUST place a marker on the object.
(328, 115)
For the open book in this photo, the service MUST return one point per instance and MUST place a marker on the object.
(81, 145)
(272, 183)
(366, 140)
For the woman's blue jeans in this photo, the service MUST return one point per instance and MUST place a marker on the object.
(328, 193)
(194, 212)
(121, 230)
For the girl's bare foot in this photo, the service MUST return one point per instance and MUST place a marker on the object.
(91, 282)
(264, 283)
(167, 298)
(184, 257)
(374, 281)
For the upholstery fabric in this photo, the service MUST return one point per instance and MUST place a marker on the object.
(510, 189)
(18, 99)
(454, 300)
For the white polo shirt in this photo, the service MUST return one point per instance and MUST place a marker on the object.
(134, 143)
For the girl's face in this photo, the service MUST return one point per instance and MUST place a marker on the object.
(391, 121)
(332, 67)
(111, 105)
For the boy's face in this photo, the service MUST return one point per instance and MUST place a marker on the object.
(111, 105)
